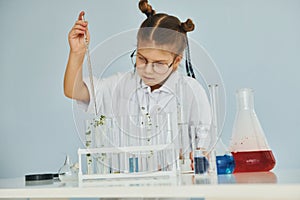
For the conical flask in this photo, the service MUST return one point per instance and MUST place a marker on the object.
(249, 146)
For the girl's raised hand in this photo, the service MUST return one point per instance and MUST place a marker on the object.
(76, 35)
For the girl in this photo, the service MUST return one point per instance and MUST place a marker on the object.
(154, 86)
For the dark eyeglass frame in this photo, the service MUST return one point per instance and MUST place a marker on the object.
(134, 62)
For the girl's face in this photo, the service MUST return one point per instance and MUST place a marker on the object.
(154, 66)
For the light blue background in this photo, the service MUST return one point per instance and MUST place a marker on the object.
(254, 44)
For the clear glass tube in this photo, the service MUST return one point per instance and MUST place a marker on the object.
(88, 143)
(101, 140)
(214, 132)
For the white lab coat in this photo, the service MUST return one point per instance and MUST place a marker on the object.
(125, 94)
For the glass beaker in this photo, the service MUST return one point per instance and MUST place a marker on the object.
(249, 146)
(201, 142)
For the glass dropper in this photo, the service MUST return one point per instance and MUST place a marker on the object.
(89, 65)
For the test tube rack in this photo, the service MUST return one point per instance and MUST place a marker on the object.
(123, 174)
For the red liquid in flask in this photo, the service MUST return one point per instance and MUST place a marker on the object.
(253, 161)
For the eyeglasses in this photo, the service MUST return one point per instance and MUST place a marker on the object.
(158, 67)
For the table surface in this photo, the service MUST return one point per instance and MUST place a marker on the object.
(283, 184)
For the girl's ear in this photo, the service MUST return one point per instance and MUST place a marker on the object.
(177, 62)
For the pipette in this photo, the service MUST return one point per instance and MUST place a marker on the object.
(89, 65)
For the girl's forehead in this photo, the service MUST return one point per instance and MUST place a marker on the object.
(153, 46)
(155, 54)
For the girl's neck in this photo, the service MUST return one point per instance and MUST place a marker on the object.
(154, 87)
(157, 86)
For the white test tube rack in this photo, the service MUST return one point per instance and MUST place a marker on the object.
(130, 149)
(129, 159)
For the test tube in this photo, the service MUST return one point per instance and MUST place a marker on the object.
(171, 152)
(122, 142)
(88, 144)
(161, 130)
(143, 142)
(158, 120)
(133, 141)
(184, 144)
(116, 162)
(149, 140)
(214, 128)
(102, 140)
(124, 137)
(110, 143)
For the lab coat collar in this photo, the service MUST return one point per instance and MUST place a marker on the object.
(169, 86)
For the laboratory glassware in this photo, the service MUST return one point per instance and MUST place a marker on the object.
(102, 138)
(88, 144)
(249, 145)
(221, 159)
(132, 149)
(224, 159)
(201, 142)
(88, 57)
(68, 172)
(214, 128)
(183, 128)
(184, 148)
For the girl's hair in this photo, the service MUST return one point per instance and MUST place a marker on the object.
(164, 29)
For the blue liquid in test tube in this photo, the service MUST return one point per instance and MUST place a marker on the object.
(133, 164)
(200, 165)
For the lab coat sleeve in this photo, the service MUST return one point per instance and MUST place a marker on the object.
(103, 92)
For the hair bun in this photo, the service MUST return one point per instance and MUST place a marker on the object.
(146, 8)
(188, 25)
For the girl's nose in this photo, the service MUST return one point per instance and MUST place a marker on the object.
(148, 68)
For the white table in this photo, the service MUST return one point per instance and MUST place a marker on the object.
(283, 184)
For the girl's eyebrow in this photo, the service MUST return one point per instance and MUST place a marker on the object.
(153, 60)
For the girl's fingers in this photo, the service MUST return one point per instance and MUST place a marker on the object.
(79, 27)
(82, 23)
(77, 32)
(81, 14)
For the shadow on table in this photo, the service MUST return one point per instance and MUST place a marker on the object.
(255, 177)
